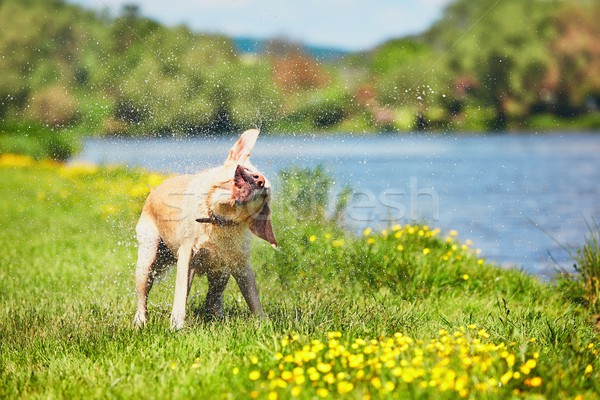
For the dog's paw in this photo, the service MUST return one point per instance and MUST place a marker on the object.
(139, 321)
(176, 322)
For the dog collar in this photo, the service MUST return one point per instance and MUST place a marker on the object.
(216, 220)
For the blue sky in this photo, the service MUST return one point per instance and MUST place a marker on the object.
(345, 24)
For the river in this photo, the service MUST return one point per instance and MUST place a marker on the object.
(519, 197)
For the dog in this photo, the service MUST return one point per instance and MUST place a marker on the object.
(203, 223)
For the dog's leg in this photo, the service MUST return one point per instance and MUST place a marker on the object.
(147, 253)
(246, 282)
(181, 287)
(213, 304)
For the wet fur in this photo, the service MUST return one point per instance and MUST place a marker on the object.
(168, 232)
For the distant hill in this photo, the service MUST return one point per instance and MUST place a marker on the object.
(245, 45)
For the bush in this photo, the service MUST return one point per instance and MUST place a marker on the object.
(37, 141)
(54, 106)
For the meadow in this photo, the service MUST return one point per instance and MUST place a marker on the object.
(407, 312)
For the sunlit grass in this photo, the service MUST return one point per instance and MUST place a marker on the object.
(408, 312)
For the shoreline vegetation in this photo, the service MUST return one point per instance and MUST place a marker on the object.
(74, 72)
(405, 312)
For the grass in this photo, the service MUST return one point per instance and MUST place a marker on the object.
(410, 312)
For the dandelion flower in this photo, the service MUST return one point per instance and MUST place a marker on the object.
(296, 391)
(337, 243)
(312, 238)
(589, 369)
(535, 381)
(345, 387)
(254, 375)
(367, 231)
(376, 382)
(506, 377)
(324, 367)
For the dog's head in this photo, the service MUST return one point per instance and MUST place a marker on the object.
(243, 195)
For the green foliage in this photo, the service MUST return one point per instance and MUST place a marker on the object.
(37, 141)
(68, 300)
(393, 54)
(584, 285)
(526, 63)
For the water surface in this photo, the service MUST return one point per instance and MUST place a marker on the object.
(512, 195)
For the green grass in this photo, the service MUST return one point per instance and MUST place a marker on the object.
(67, 303)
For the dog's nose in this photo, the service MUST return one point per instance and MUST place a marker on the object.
(259, 180)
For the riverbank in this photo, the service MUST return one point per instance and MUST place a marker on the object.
(407, 312)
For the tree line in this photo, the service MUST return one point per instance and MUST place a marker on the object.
(485, 65)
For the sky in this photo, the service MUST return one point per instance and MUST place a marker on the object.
(352, 25)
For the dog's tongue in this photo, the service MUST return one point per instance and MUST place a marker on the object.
(241, 188)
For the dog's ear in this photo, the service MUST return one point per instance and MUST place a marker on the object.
(261, 225)
(240, 151)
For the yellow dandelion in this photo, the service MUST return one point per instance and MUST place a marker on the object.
(235, 370)
(254, 394)
(453, 233)
(389, 386)
(483, 333)
(345, 387)
(287, 375)
(506, 377)
(367, 232)
(589, 369)
(323, 367)
(337, 243)
(329, 379)
(254, 359)
(399, 247)
(426, 251)
(296, 391)
(334, 334)
(312, 238)
(534, 382)
(154, 180)
(254, 375)
(396, 227)
(273, 396)
(376, 382)
(15, 160)
(371, 240)
(384, 233)
(322, 392)
(465, 277)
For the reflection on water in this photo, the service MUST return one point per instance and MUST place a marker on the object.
(515, 196)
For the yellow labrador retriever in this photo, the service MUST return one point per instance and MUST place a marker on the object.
(203, 223)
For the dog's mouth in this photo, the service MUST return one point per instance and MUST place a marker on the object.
(248, 186)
